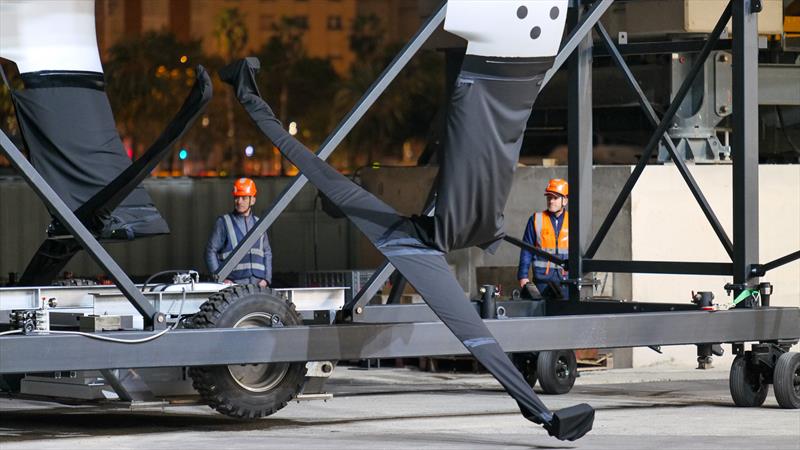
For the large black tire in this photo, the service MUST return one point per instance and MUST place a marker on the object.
(526, 364)
(247, 391)
(786, 380)
(557, 370)
(748, 384)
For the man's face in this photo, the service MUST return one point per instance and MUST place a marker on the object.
(243, 204)
(555, 203)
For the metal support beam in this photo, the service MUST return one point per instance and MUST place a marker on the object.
(577, 36)
(744, 140)
(67, 218)
(373, 285)
(536, 251)
(333, 141)
(662, 47)
(653, 118)
(129, 386)
(665, 123)
(364, 341)
(760, 270)
(668, 267)
(399, 283)
(579, 142)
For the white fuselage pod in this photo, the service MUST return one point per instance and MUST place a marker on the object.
(49, 35)
(508, 28)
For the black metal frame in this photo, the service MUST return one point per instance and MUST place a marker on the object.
(341, 341)
(393, 340)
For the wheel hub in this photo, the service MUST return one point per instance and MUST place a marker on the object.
(258, 377)
(562, 368)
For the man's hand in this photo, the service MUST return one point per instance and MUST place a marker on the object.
(263, 283)
(523, 282)
(227, 282)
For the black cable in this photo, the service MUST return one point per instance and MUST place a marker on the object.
(163, 272)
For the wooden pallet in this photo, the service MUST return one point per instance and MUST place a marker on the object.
(450, 364)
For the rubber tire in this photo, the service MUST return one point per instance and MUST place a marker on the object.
(744, 391)
(783, 379)
(215, 384)
(526, 364)
(551, 379)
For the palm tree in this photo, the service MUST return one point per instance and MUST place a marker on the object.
(230, 33)
(145, 78)
(407, 107)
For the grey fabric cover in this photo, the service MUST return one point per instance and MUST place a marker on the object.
(416, 247)
(74, 144)
(68, 127)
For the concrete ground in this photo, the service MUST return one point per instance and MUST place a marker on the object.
(658, 408)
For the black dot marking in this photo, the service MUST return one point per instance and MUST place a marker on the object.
(535, 32)
(522, 12)
(554, 12)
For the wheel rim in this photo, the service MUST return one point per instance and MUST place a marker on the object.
(754, 379)
(796, 381)
(562, 368)
(258, 377)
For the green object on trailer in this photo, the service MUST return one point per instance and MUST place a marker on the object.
(746, 293)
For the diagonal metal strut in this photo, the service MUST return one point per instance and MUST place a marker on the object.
(650, 113)
(657, 135)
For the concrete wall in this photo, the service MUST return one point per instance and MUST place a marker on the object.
(190, 206)
(668, 225)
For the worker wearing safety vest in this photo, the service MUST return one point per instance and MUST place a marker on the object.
(547, 230)
(230, 229)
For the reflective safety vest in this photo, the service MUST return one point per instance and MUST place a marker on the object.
(547, 240)
(252, 264)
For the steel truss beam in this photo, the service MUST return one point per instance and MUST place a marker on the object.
(366, 341)
(658, 134)
(651, 115)
(579, 167)
(744, 139)
(667, 267)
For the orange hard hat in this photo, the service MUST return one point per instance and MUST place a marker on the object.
(557, 186)
(244, 187)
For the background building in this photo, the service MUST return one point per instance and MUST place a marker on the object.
(327, 23)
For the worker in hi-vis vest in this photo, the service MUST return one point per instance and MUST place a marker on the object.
(547, 230)
(230, 229)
